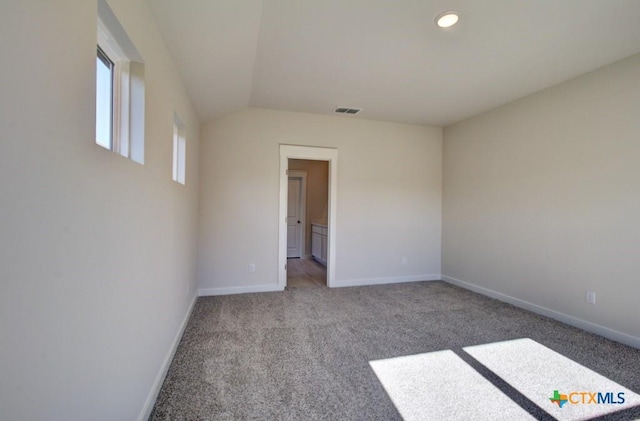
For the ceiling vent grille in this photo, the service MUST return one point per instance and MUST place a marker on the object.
(347, 110)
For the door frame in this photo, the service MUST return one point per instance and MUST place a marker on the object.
(303, 206)
(312, 153)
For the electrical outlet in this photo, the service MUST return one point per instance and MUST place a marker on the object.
(590, 297)
(252, 267)
(404, 260)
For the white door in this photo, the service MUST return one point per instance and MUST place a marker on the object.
(294, 218)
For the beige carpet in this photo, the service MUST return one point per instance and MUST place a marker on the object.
(537, 372)
(441, 386)
(304, 353)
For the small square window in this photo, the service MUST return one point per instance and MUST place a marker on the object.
(179, 151)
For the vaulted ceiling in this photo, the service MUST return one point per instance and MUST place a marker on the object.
(387, 56)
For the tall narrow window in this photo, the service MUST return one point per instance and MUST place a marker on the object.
(104, 100)
(119, 88)
(179, 151)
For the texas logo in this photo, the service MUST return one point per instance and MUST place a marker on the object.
(558, 399)
(596, 398)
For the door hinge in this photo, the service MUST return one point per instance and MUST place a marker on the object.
(285, 267)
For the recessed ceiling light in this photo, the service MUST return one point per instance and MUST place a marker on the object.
(447, 19)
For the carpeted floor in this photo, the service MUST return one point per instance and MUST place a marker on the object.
(303, 354)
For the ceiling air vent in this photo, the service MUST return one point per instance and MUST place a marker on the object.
(347, 110)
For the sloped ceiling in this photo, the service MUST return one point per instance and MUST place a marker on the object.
(387, 56)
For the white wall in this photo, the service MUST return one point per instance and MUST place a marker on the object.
(97, 253)
(542, 200)
(388, 206)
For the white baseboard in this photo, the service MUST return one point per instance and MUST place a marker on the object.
(205, 292)
(562, 317)
(391, 280)
(164, 368)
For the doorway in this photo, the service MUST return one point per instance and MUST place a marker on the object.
(307, 223)
(296, 214)
(330, 155)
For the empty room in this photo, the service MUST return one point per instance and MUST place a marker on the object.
(319, 210)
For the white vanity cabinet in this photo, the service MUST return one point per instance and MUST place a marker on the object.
(319, 243)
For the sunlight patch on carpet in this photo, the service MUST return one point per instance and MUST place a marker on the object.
(565, 389)
(440, 385)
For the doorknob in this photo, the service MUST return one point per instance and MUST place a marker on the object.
(298, 222)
